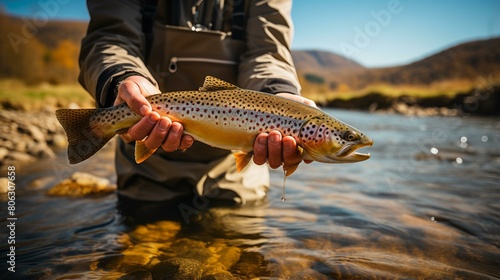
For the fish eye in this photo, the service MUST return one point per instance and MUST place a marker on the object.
(351, 136)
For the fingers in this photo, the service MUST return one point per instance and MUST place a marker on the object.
(291, 155)
(186, 142)
(276, 150)
(173, 140)
(130, 93)
(161, 132)
(260, 149)
(157, 131)
(169, 136)
(157, 135)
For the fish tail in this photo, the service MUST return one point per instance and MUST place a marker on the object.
(84, 140)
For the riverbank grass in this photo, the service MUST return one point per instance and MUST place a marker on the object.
(447, 89)
(15, 94)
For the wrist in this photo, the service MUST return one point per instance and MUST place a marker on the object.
(115, 84)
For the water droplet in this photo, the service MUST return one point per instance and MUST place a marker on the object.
(484, 138)
(433, 219)
(463, 139)
(459, 160)
(434, 150)
(463, 145)
(283, 192)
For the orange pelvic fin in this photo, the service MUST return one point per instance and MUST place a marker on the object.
(142, 152)
(242, 160)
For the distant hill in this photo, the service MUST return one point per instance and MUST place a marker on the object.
(319, 61)
(51, 33)
(318, 71)
(50, 53)
(466, 61)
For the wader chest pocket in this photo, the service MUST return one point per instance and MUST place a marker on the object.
(175, 61)
(181, 58)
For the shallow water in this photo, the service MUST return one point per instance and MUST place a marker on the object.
(425, 206)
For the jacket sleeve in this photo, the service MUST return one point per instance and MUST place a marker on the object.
(112, 49)
(267, 64)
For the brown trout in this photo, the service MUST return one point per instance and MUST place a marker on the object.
(224, 116)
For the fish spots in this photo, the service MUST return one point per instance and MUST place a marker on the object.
(246, 111)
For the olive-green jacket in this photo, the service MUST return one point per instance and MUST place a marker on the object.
(115, 43)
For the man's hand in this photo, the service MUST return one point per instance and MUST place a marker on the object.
(160, 131)
(275, 149)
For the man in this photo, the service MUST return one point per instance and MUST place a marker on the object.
(120, 64)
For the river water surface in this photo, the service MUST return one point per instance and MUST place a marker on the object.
(425, 206)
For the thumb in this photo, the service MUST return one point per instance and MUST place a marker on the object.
(133, 91)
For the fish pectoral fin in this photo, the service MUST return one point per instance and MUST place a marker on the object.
(289, 169)
(213, 84)
(242, 160)
(142, 152)
(121, 130)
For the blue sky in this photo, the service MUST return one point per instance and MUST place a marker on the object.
(375, 33)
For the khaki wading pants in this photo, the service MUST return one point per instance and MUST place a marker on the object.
(200, 170)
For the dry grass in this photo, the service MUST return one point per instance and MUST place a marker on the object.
(19, 95)
(445, 88)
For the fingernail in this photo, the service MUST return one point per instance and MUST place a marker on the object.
(144, 110)
(163, 125)
(189, 141)
(287, 145)
(274, 138)
(153, 118)
(175, 129)
(262, 141)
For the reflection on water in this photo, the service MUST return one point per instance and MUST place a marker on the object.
(426, 205)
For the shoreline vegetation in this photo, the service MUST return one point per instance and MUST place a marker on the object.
(461, 97)
(30, 130)
(482, 99)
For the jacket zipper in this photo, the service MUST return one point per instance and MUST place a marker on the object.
(172, 67)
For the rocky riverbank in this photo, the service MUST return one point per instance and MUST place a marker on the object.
(27, 136)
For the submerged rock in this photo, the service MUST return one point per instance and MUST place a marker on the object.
(177, 268)
(141, 274)
(4, 185)
(221, 275)
(82, 184)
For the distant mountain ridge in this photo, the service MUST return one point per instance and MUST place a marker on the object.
(317, 60)
(55, 44)
(465, 61)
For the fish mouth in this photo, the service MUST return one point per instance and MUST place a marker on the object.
(350, 153)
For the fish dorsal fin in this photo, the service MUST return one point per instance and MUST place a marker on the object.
(213, 84)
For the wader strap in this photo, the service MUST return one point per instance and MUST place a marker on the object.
(148, 12)
(238, 28)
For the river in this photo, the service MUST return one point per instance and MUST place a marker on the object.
(425, 206)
